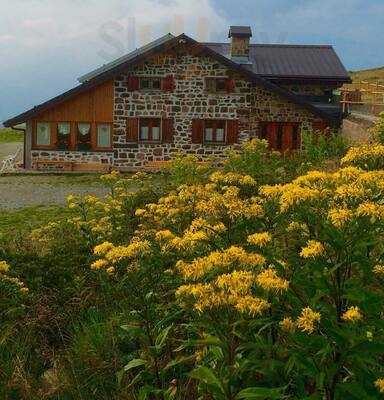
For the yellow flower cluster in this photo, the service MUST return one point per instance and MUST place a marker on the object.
(113, 254)
(362, 155)
(371, 210)
(288, 324)
(312, 250)
(4, 267)
(237, 282)
(353, 314)
(232, 178)
(259, 239)
(220, 260)
(210, 296)
(308, 319)
(268, 280)
(379, 383)
(340, 216)
(378, 269)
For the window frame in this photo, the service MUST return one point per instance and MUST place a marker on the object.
(296, 141)
(52, 144)
(150, 79)
(215, 122)
(215, 79)
(150, 126)
(69, 142)
(95, 145)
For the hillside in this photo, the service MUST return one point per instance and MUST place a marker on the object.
(371, 75)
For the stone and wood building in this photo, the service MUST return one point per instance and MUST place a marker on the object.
(179, 95)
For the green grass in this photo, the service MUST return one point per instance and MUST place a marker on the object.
(26, 219)
(10, 136)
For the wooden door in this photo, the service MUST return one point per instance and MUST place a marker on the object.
(272, 129)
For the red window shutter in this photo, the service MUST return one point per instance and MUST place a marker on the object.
(230, 85)
(168, 83)
(167, 130)
(197, 130)
(133, 83)
(132, 129)
(232, 131)
(287, 137)
(272, 128)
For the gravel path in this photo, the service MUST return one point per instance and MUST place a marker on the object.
(35, 190)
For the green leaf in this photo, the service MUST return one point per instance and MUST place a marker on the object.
(136, 362)
(162, 336)
(261, 393)
(206, 376)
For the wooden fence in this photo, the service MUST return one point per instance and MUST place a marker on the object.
(363, 93)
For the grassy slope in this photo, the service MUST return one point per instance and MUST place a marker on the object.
(26, 219)
(10, 136)
(370, 75)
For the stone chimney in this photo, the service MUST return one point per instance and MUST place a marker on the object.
(240, 39)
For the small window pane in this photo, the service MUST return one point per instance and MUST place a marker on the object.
(43, 134)
(220, 85)
(63, 128)
(220, 134)
(103, 135)
(84, 128)
(156, 84)
(144, 83)
(144, 132)
(155, 133)
(209, 134)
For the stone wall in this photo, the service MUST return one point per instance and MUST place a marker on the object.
(251, 105)
(74, 156)
(308, 89)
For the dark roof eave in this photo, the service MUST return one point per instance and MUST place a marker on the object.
(105, 76)
(332, 79)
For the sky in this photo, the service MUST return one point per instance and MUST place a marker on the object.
(45, 45)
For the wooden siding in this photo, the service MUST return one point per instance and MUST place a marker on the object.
(95, 105)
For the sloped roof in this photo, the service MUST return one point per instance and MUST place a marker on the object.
(283, 61)
(117, 67)
(126, 58)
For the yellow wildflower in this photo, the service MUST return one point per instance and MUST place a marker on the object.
(98, 264)
(297, 227)
(340, 216)
(251, 305)
(269, 280)
(379, 383)
(134, 249)
(165, 234)
(293, 195)
(140, 212)
(353, 314)
(259, 239)
(307, 320)
(110, 270)
(287, 324)
(4, 267)
(237, 282)
(103, 248)
(378, 269)
(312, 250)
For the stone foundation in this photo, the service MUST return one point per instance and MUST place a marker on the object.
(71, 156)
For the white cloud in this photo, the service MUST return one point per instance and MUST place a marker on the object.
(47, 24)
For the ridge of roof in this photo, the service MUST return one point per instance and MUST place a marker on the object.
(300, 46)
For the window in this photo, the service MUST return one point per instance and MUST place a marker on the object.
(150, 130)
(103, 136)
(84, 136)
(281, 136)
(43, 134)
(216, 85)
(214, 131)
(63, 135)
(150, 83)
